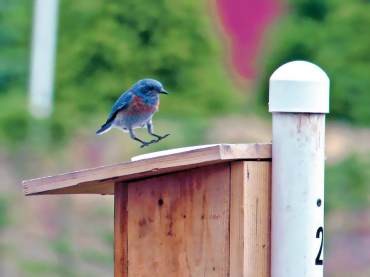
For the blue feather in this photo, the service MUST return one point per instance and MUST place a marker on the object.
(122, 103)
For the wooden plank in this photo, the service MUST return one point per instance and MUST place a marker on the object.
(250, 216)
(178, 224)
(103, 188)
(80, 181)
(237, 219)
(120, 230)
(257, 216)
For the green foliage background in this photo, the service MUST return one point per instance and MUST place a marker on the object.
(104, 47)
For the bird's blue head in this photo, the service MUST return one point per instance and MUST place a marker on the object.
(148, 87)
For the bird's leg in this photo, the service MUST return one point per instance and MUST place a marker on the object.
(150, 131)
(134, 137)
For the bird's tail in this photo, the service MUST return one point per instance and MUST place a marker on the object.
(104, 128)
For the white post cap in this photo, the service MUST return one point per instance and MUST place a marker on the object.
(299, 87)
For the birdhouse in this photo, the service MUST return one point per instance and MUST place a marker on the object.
(202, 211)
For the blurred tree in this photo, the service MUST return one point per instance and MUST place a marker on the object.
(335, 35)
(315, 9)
(14, 28)
(105, 46)
(14, 42)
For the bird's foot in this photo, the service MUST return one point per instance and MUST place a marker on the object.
(146, 143)
(161, 137)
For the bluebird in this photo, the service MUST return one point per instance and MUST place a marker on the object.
(135, 109)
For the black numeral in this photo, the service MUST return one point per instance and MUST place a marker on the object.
(319, 232)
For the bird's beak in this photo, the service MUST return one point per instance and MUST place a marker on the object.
(163, 91)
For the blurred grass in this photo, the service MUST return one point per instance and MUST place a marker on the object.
(348, 184)
(97, 257)
(4, 208)
(40, 268)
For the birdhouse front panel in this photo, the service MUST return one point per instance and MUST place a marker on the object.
(178, 224)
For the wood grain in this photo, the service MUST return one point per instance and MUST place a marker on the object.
(89, 180)
(120, 230)
(178, 224)
(250, 219)
(237, 206)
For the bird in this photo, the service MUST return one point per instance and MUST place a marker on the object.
(135, 109)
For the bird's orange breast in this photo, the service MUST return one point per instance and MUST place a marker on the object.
(138, 106)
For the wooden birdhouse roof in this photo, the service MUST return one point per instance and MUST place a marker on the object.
(101, 180)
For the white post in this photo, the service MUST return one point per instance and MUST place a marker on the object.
(299, 99)
(43, 57)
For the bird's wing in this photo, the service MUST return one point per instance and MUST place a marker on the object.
(121, 104)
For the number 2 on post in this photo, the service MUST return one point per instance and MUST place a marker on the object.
(319, 260)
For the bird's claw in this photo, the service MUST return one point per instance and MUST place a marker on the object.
(143, 144)
(147, 143)
(161, 137)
